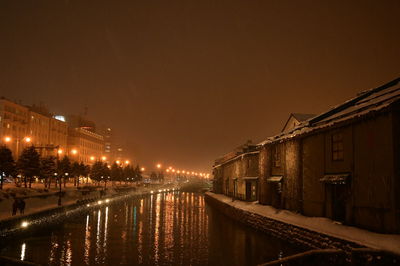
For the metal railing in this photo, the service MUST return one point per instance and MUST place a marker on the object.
(333, 257)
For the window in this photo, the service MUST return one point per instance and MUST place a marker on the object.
(277, 156)
(337, 147)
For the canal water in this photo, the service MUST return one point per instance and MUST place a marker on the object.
(172, 228)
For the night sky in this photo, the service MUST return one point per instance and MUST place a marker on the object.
(183, 82)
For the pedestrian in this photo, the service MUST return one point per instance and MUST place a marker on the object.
(15, 207)
(21, 206)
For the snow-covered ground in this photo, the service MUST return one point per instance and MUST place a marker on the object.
(389, 242)
(38, 199)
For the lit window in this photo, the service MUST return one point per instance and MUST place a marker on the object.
(337, 147)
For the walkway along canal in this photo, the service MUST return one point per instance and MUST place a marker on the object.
(167, 228)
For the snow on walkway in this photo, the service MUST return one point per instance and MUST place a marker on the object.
(389, 242)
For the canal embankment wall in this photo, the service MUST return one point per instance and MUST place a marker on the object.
(41, 207)
(311, 232)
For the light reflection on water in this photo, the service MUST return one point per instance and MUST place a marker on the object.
(161, 229)
(87, 242)
(23, 248)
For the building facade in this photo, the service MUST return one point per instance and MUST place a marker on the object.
(85, 146)
(236, 173)
(14, 121)
(22, 126)
(58, 135)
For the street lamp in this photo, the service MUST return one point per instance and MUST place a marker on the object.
(8, 139)
(59, 192)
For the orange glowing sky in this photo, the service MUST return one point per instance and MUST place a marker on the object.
(183, 82)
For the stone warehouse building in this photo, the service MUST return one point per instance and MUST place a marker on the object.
(236, 173)
(342, 164)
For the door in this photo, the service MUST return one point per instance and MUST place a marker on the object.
(338, 202)
(248, 190)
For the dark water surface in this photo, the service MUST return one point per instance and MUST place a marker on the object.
(173, 228)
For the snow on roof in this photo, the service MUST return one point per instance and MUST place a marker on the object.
(366, 102)
(245, 149)
(240, 155)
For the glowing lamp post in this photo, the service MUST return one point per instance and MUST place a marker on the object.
(159, 172)
(59, 192)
